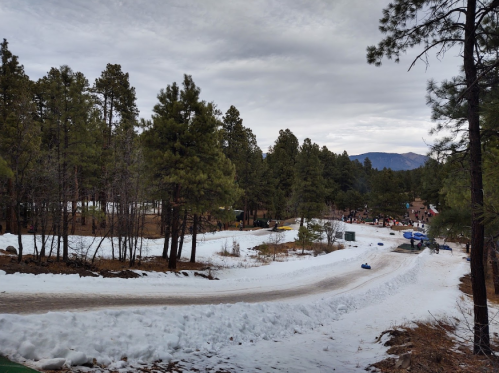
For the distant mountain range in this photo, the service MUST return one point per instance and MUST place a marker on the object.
(397, 162)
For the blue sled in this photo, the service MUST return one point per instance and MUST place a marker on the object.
(468, 259)
(365, 266)
(380, 243)
(445, 247)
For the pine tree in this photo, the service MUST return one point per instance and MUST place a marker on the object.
(240, 146)
(65, 116)
(308, 188)
(185, 155)
(346, 177)
(329, 174)
(116, 101)
(21, 140)
(439, 26)
(387, 198)
(281, 160)
(12, 82)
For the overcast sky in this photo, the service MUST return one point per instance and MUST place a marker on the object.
(284, 64)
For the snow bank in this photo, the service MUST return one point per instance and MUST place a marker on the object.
(159, 333)
(332, 329)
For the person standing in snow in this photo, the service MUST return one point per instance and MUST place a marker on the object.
(412, 243)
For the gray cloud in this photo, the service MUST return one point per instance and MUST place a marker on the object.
(284, 64)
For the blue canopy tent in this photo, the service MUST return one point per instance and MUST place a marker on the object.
(417, 236)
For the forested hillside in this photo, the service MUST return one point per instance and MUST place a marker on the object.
(394, 161)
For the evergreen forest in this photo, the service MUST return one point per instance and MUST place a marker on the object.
(74, 152)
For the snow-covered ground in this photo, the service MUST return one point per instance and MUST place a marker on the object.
(331, 324)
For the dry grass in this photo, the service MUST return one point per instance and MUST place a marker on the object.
(400, 227)
(465, 287)
(431, 347)
(292, 248)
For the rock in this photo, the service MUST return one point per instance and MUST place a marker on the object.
(403, 362)
(11, 250)
(51, 364)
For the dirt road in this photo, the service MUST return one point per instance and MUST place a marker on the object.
(382, 264)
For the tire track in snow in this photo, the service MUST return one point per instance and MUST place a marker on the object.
(383, 265)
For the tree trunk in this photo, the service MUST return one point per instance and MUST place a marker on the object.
(168, 218)
(172, 262)
(93, 215)
(43, 227)
(194, 238)
(10, 217)
(103, 206)
(495, 267)
(184, 223)
(84, 208)
(65, 228)
(481, 323)
(74, 204)
(163, 218)
(19, 236)
(246, 213)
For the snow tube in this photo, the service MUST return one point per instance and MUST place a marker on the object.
(408, 235)
(365, 266)
(445, 247)
(380, 243)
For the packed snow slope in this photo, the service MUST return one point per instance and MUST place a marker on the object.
(308, 313)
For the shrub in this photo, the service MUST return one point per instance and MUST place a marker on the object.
(225, 249)
(329, 249)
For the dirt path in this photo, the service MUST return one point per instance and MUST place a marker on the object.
(382, 264)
